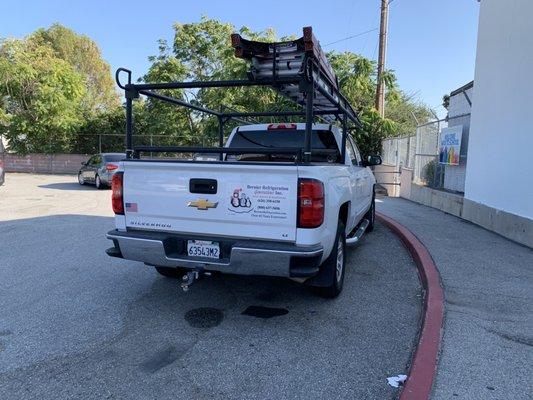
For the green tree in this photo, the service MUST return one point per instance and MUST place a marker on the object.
(41, 97)
(54, 84)
(104, 131)
(358, 79)
(83, 54)
(173, 125)
(203, 51)
(405, 112)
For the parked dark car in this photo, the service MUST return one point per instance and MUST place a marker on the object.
(99, 169)
(2, 164)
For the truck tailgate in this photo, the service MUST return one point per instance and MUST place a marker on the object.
(250, 201)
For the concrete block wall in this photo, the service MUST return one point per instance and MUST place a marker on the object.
(406, 181)
(511, 226)
(45, 163)
(388, 177)
(448, 202)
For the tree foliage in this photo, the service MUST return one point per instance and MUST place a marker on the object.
(358, 80)
(52, 83)
(84, 56)
(41, 97)
(202, 51)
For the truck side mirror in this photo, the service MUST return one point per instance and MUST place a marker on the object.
(373, 160)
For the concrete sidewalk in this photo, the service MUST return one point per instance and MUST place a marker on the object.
(488, 283)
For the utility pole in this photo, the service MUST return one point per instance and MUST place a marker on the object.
(380, 90)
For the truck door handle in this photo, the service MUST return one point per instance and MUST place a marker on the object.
(203, 186)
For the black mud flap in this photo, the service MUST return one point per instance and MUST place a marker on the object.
(322, 279)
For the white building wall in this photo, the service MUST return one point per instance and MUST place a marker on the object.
(499, 173)
(458, 104)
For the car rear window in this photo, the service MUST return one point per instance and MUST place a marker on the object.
(114, 157)
(320, 140)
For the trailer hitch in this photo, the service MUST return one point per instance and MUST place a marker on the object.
(190, 277)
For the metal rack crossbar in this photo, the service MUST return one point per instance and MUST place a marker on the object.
(296, 69)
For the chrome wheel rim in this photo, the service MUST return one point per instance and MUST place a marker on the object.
(97, 182)
(340, 260)
(80, 179)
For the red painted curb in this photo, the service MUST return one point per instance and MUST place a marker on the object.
(424, 363)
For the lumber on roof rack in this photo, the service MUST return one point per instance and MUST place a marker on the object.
(298, 69)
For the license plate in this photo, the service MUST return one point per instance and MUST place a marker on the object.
(200, 248)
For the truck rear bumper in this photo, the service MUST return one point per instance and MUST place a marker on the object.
(238, 256)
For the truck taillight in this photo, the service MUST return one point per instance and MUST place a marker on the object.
(310, 203)
(111, 167)
(116, 195)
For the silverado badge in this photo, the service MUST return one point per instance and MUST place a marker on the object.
(202, 204)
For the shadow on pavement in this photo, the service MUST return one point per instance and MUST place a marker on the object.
(68, 186)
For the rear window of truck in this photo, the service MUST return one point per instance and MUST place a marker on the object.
(320, 140)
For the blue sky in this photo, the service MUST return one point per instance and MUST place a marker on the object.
(431, 46)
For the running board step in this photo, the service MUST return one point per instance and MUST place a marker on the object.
(358, 232)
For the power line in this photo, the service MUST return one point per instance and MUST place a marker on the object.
(351, 37)
(349, 25)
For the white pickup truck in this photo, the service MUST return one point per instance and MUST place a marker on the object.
(252, 214)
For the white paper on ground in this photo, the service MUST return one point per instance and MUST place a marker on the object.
(395, 381)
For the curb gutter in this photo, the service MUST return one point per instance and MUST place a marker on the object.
(424, 364)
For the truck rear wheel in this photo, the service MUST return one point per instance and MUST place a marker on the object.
(335, 265)
(170, 272)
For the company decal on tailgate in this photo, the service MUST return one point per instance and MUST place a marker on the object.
(260, 201)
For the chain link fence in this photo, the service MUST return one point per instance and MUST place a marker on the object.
(87, 144)
(420, 152)
(115, 143)
(399, 151)
(426, 169)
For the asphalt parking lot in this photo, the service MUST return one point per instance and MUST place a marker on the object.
(76, 323)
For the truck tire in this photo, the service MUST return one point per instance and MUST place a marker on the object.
(371, 214)
(335, 265)
(170, 272)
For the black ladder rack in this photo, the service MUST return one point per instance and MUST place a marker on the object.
(297, 69)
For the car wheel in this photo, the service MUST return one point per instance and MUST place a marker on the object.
(80, 179)
(335, 265)
(371, 214)
(170, 272)
(98, 182)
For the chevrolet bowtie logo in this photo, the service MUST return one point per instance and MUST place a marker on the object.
(202, 204)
